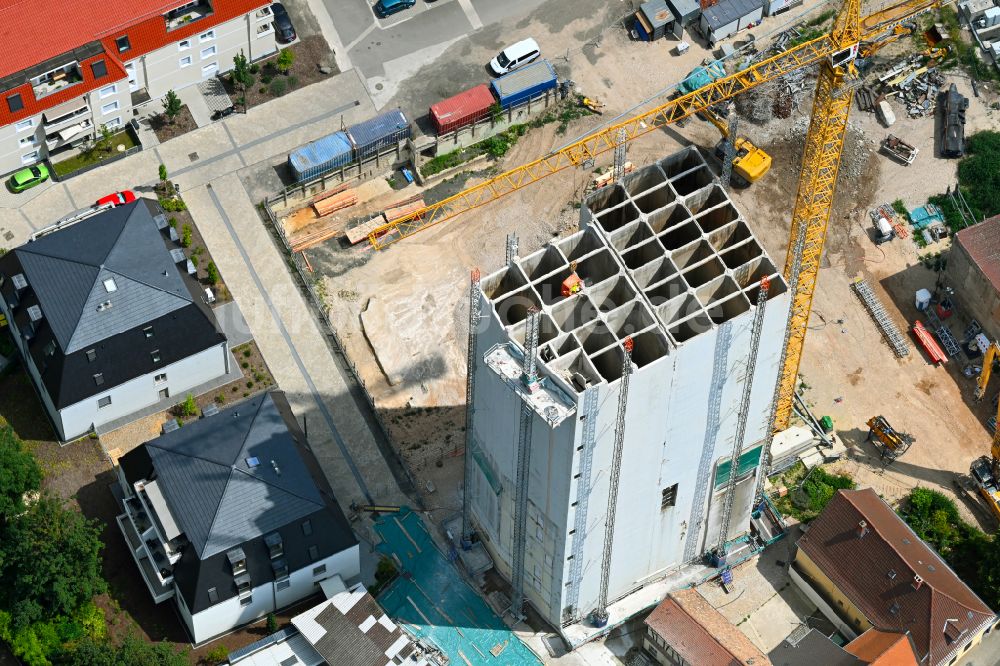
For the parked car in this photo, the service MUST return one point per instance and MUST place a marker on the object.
(384, 8)
(117, 198)
(28, 177)
(283, 28)
(514, 56)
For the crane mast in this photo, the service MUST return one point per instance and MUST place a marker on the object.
(600, 614)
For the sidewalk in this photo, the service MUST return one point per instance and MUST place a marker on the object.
(266, 134)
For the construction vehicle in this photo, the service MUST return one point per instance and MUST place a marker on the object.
(374, 508)
(985, 470)
(953, 106)
(572, 284)
(750, 162)
(592, 105)
(890, 443)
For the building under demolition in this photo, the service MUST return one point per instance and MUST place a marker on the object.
(667, 260)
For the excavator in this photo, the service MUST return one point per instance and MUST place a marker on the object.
(985, 470)
(750, 162)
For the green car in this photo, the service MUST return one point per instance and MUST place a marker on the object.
(28, 177)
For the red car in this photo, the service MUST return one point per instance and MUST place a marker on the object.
(117, 199)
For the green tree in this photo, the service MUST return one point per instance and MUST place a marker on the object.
(163, 173)
(171, 105)
(241, 70)
(285, 61)
(186, 232)
(272, 623)
(19, 474)
(105, 135)
(133, 651)
(979, 173)
(50, 562)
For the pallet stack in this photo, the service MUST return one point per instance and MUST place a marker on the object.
(335, 202)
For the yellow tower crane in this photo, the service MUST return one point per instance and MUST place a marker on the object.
(985, 470)
(835, 52)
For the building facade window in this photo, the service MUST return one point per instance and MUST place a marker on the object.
(15, 103)
(246, 601)
(148, 332)
(110, 107)
(321, 569)
(184, 44)
(210, 69)
(185, 61)
(155, 355)
(668, 497)
(30, 158)
(206, 36)
(265, 29)
(283, 584)
(208, 51)
(263, 12)
(108, 91)
(28, 141)
(114, 122)
(160, 378)
(123, 44)
(104, 402)
(23, 125)
(99, 379)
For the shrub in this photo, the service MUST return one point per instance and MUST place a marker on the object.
(217, 654)
(285, 61)
(173, 222)
(278, 87)
(250, 384)
(171, 105)
(163, 173)
(186, 232)
(247, 353)
(244, 365)
(292, 82)
(172, 204)
(221, 398)
(189, 407)
(255, 68)
(272, 623)
(213, 273)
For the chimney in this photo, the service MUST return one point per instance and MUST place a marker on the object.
(917, 581)
(862, 529)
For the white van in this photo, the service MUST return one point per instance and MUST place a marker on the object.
(514, 56)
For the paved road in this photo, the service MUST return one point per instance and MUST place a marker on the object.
(390, 51)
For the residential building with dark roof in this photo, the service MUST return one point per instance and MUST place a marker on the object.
(348, 627)
(685, 630)
(973, 271)
(864, 567)
(71, 66)
(809, 647)
(231, 517)
(105, 320)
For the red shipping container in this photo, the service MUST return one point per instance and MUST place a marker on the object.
(462, 109)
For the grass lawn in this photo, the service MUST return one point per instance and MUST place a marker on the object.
(80, 160)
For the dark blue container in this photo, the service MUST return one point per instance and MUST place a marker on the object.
(522, 84)
(320, 156)
(373, 135)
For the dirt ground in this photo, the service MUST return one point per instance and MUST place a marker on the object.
(166, 129)
(402, 312)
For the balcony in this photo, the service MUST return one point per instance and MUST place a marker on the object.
(187, 14)
(68, 135)
(66, 115)
(56, 80)
(160, 590)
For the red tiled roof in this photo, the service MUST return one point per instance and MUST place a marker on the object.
(700, 634)
(878, 574)
(33, 31)
(982, 242)
(883, 648)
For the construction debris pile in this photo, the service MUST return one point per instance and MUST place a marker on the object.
(914, 81)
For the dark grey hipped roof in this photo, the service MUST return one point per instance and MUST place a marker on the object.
(220, 500)
(726, 11)
(70, 271)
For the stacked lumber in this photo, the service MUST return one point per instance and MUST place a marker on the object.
(402, 209)
(323, 230)
(336, 202)
(359, 233)
(326, 194)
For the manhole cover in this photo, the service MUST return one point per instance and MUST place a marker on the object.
(8, 236)
(193, 157)
(378, 86)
